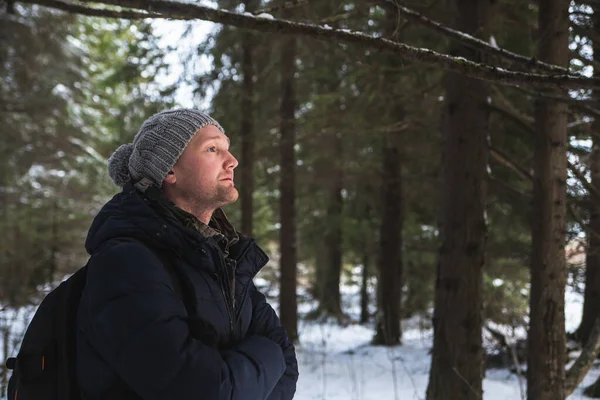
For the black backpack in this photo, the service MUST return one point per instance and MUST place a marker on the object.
(45, 365)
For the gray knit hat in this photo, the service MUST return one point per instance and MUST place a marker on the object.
(157, 146)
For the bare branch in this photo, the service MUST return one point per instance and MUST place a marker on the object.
(407, 22)
(591, 189)
(528, 127)
(503, 159)
(584, 362)
(285, 6)
(96, 12)
(583, 105)
(338, 17)
(518, 118)
(578, 219)
(566, 99)
(473, 42)
(516, 192)
(187, 11)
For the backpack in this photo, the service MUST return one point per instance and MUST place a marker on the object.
(45, 365)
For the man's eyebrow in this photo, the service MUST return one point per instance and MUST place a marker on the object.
(217, 138)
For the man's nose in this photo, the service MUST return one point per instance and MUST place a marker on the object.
(232, 162)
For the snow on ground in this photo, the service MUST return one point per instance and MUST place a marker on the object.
(338, 363)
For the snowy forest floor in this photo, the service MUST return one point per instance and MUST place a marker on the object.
(339, 363)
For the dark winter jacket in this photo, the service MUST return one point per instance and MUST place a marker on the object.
(134, 337)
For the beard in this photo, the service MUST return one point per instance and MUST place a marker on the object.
(198, 200)
(213, 198)
(225, 195)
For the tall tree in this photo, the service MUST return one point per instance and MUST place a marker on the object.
(287, 189)
(388, 328)
(457, 358)
(247, 127)
(329, 288)
(329, 101)
(546, 344)
(591, 304)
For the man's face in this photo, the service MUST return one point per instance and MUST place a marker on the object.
(202, 178)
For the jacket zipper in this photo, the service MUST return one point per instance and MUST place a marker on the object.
(227, 306)
(246, 288)
(228, 302)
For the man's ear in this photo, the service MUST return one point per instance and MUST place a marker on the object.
(170, 178)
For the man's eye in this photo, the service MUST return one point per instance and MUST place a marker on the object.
(212, 149)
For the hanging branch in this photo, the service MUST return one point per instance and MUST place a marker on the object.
(586, 184)
(96, 12)
(473, 42)
(582, 104)
(528, 127)
(584, 362)
(460, 65)
(407, 22)
(516, 192)
(503, 159)
(285, 6)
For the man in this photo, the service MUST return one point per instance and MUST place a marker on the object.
(137, 338)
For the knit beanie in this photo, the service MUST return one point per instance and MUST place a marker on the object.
(156, 147)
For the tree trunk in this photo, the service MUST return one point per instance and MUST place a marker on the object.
(591, 303)
(546, 339)
(330, 299)
(5, 328)
(366, 262)
(331, 166)
(247, 128)
(364, 293)
(388, 328)
(388, 331)
(457, 358)
(287, 208)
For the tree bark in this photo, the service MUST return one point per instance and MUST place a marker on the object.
(247, 128)
(591, 303)
(330, 301)
(5, 329)
(388, 328)
(287, 208)
(331, 166)
(388, 325)
(546, 339)
(364, 292)
(457, 358)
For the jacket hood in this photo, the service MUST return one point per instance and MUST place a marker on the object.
(130, 214)
(134, 215)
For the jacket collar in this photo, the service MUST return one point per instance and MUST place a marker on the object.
(218, 228)
(131, 213)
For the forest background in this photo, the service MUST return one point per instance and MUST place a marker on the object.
(401, 161)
